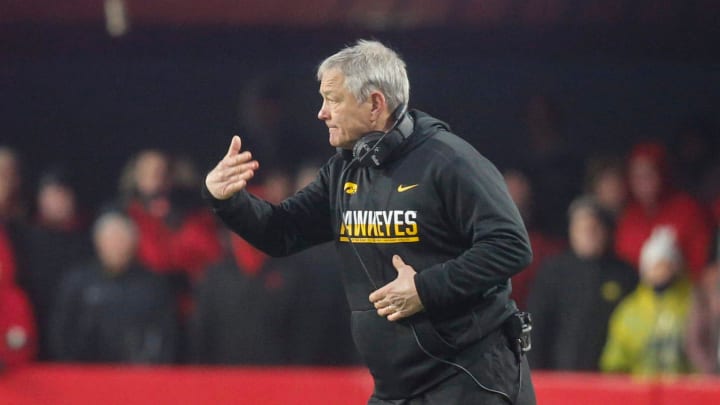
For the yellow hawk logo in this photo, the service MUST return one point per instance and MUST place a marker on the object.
(350, 188)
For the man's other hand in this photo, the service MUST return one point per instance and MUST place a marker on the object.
(399, 298)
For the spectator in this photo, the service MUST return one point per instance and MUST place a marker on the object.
(177, 234)
(654, 202)
(57, 239)
(647, 330)
(703, 335)
(605, 181)
(574, 293)
(11, 207)
(253, 309)
(18, 339)
(237, 311)
(112, 309)
(543, 245)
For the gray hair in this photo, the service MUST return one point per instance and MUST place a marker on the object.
(591, 204)
(371, 66)
(112, 216)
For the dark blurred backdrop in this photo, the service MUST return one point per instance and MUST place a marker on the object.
(87, 83)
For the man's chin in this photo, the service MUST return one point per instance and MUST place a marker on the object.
(336, 143)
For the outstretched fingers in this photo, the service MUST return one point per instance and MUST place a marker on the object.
(231, 171)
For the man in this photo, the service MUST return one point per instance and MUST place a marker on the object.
(575, 292)
(112, 309)
(425, 229)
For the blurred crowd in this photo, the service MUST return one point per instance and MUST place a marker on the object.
(625, 275)
(152, 278)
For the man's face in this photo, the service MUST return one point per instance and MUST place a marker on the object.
(645, 181)
(151, 173)
(346, 118)
(115, 245)
(56, 203)
(588, 236)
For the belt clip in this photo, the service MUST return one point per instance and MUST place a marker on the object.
(518, 328)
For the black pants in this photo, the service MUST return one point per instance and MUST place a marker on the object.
(494, 364)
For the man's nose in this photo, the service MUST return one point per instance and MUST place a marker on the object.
(323, 115)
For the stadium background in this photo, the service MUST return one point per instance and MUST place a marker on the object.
(74, 85)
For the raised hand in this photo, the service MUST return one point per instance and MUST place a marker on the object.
(232, 173)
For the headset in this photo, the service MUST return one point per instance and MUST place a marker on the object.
(373, 150)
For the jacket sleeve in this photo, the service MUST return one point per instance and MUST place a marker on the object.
(297, 223)
(617, 357)
(478, 206)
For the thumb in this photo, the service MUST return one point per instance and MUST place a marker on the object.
(235, 144)
(398, 262)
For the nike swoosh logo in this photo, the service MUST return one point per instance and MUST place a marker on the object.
(402, 189)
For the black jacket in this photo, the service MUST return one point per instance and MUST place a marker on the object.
(571, 301)
(125, 318)
(438, 204)
(291, 312)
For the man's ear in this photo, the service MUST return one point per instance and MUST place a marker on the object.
(378, 105)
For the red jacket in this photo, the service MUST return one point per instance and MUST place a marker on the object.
(678, 210)
(190, 247)
(18, 336)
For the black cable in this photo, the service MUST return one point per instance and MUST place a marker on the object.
(400, 112)
(342, 207)
(461, 368)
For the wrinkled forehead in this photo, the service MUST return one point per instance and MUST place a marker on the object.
(332, 80)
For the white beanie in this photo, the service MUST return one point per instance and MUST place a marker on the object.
(661, 245)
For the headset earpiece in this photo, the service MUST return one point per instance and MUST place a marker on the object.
(375, 147)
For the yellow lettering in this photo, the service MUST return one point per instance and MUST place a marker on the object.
(372, 229)
(380, 240)
(412, 228)
(398, 222)
(378, 222)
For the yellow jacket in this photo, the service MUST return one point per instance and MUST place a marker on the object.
(647, 330)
